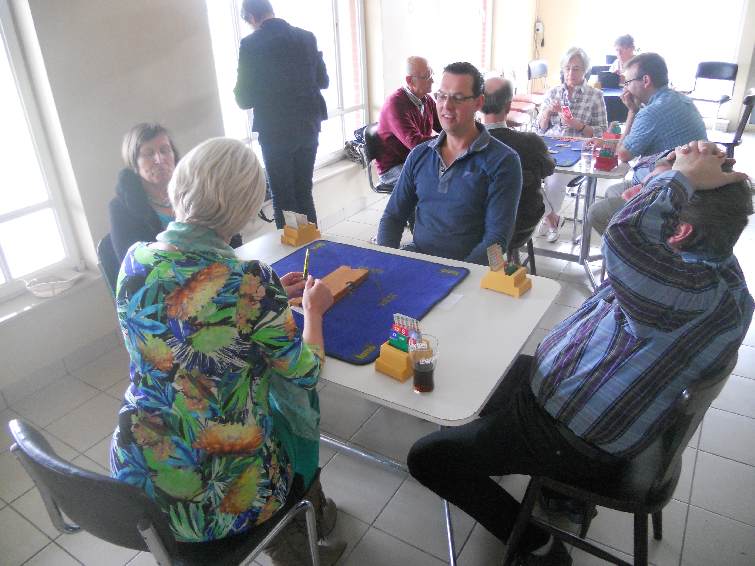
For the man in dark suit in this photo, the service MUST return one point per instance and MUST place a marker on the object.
(280, 75)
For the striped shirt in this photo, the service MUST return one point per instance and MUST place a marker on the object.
(662, 320)
(586, 105)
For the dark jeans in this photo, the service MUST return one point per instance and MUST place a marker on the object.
(289, 165)
(512, 436)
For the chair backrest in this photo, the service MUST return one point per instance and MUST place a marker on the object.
(608, 80)
(107, 508)
(685, 417)
(747, 103)
(597, 69)
(108, 262)
(372, 143)
(717, 70)
(610, 59)
(537, 69)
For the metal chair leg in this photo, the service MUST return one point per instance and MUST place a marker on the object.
(658, 525)
(531, 256)
(640, 539)
(587, 515)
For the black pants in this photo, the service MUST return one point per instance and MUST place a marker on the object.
(512, 436)
(289, 164)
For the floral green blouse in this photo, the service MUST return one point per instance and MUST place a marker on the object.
(205, 333)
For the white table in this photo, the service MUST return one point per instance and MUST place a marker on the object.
(480, 334)
(584, 257)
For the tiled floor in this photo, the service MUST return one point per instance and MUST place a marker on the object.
(386, 517)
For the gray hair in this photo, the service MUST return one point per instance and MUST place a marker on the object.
(412, 63)
(219, 185)
(576, 52)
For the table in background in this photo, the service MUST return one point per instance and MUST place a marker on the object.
(585, 256)
(480, 334)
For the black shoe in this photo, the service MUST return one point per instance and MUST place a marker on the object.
(557, 556)
(573, 509)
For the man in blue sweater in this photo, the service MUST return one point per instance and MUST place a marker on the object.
(464, 185)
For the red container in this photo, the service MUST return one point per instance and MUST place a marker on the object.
(606, 163)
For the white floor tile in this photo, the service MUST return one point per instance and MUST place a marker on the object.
(19, 540)
(746, 362)
(368, 216)
(89, 464)
(481, 549)
(582, 558)
(358, 487)
(684, 487)
(5, 438)
(92, 551)
(737, 396)
(725, 487)
(354, 230)
(532, 342)
(33, 382)
(30, 505)
(52, 555)
(105, 371)
(380, 549)
(616, 529)
(548, 266)
(729, 435)
(694, 440)
(379, 433)
(14, 480)
(573, 294)
(119, 389)
(713, 539)
(554, 315)
(415, 515)
(100, 452)
(326, 453)
(54, 401)
(343, 412)
(94, 350)
(88, 424)
(143, 559)
(750, 337)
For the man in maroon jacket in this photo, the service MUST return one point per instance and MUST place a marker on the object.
(407, 119)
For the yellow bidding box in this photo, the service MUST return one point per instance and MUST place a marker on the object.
(301, 235)
(394, 362)
(516, 284)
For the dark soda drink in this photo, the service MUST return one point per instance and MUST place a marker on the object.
(423, 378)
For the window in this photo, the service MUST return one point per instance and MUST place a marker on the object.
(338, 26)
(33, 238)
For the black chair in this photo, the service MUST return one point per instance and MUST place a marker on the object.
(714, 71)
(122, 514)
(608, 80)
(537, 71)
(610, 59)
(518, 240)
(729, 140)
(643, 487)
(108, 262)
(597, 69)
(372, 148)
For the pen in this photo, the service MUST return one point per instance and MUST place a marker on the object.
(306, 264)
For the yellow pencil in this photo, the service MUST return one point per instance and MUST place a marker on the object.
(306, 264)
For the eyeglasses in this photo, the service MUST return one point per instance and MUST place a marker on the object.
(626, 82)
(457, 98)
(149, 154)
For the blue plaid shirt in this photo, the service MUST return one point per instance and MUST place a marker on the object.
(662, 320)
(669, 119)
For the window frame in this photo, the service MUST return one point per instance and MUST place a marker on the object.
(11, 44)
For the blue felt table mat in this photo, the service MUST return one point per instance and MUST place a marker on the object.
(566, 156)
(360, 322)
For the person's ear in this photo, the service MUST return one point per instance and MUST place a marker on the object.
(683, 231)
(409, 81)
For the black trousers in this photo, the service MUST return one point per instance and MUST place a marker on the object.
(289, 164)
(512, 436)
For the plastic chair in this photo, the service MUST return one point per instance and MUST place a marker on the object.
(537, 70)
(729, 140)
(372, 147)
(714, 71)
(643, 487)
(608, 80)
(108, 262)
(597, 69)
(518, 240)
(122, 514)
(610, 59)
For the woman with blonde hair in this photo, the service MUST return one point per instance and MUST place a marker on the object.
(207, 427)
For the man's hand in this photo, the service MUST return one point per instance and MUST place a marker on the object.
(701, 161)
(572, 122)
(630, 101)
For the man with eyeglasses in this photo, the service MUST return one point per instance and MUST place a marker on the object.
(407, 119)
(464, 184)
(280, 76)
(658, 119)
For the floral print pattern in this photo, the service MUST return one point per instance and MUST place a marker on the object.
(204, 333)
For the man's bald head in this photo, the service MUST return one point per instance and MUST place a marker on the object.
(419, 76)
(498, 95)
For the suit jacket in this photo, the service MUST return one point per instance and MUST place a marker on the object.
(280, 75)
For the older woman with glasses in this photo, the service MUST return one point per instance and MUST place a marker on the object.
(571, 109)
(220, 424)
